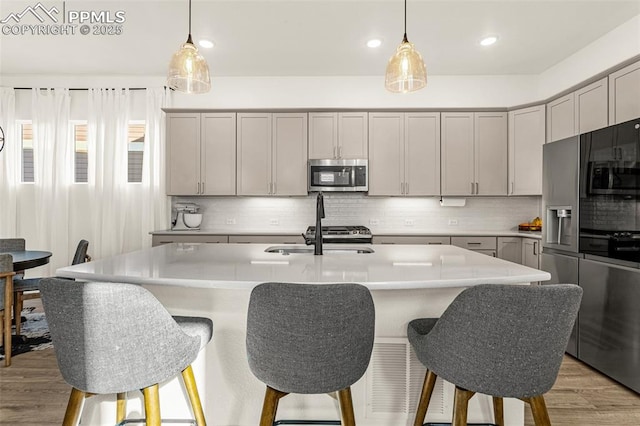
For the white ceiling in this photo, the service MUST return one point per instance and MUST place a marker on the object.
(317, 37)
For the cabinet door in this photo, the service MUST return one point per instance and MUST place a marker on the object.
(490, 139)
(218, 154)
(475, 243)
(254, 154)
(457, 154)
(289, 154)
(411, 239)
(323, 135)
(624, 94)
(561, 118)
(531, 252)
(422, 154)
(183, 154)
(526, 137)
(510, 248)
(386, 153)
(592, 110)
(353, 135)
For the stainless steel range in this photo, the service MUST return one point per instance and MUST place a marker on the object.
(340, 234)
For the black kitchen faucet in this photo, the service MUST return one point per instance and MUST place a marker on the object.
(319, 216)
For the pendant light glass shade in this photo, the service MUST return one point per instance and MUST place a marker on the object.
(188, 70)
(405, 71)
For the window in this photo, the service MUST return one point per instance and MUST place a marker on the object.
(135, 151)
(26, 138)
(80, 157)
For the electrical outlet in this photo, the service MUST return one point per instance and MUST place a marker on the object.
(409, 222)
(374, 222)
(274, 222)
(453, 222)
(231, 221)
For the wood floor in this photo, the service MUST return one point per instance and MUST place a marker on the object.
(32, 392)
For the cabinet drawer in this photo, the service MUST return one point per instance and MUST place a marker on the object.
(475, 243)
(409, 239)
(157, 240)
(267, 239)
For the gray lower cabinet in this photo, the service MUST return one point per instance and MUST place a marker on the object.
(267, 239)
(510, 248)
(609, 320)
(157, 240)
(411, 239)
(484, 245)
(531, 252)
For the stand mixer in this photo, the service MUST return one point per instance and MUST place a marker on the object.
(187, 217)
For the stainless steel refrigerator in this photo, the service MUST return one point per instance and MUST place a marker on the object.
(561, 162)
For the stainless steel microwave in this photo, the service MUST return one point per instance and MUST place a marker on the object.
(614, 178)
(338, 175)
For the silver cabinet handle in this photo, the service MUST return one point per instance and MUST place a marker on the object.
(477, 188)
(335, 152)
(198, 190)
(274, 189)
(406, 188)
(511, 188)
(620, 151)
(202, 188)
(339, 152)
(535, 248)
(472, 187)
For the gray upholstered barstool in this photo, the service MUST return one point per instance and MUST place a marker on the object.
(309, 339)
(506, 341)
(112, 338)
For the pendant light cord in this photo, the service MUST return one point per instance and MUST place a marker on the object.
(189, 39)
(404, 39)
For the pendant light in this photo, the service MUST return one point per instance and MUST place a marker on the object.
(188, 70)
(405, 71)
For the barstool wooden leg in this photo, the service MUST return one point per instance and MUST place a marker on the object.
(17, 310)
(8, 301)
(425, 397)
(270, 406)
(346, 407)
(74, 407)
(194, 396)
(152, 405)
(539, 410)
(498, 411)
(121, 407)
(460, 405)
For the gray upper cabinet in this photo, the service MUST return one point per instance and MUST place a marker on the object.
(338, 135)
(592, 111)
(404, 154)
(561, 118)
(201, 154)
(272, 154)
(624, 94)
(578, 112)
(474, 153)
(526, 138)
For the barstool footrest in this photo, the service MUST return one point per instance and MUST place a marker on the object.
(163, 421)
(307, 422)
(468, 424)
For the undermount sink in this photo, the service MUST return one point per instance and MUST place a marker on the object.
(286, 250)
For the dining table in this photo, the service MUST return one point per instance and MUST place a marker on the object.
(27, 259)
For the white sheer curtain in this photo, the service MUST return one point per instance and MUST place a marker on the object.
(9, 162)
(154, 201)
(107, 132)
(53, 173)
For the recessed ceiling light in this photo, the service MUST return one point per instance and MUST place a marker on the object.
(373, 43)
(207, 44)
(488, 41)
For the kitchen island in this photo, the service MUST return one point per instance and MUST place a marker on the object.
(214, 280)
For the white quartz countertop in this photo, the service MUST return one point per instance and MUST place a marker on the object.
(243, 266)
(461, 233)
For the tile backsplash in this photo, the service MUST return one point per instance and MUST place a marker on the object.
(380, 214)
